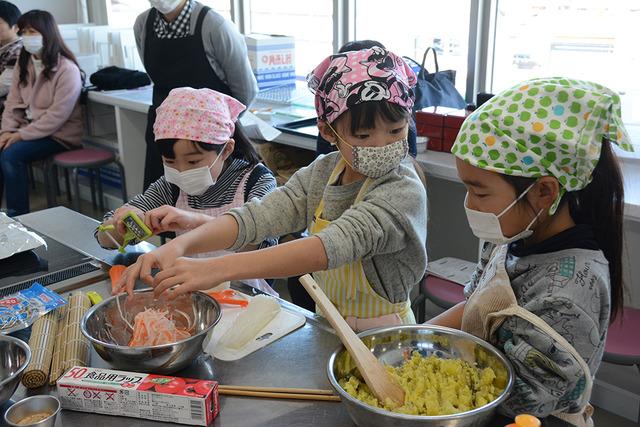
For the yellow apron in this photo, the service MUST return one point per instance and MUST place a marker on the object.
(347, 286)
(493, 301)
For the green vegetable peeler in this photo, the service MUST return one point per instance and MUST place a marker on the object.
(136, 230)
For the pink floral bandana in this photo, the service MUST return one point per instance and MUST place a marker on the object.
(202, 115)
(350, 78)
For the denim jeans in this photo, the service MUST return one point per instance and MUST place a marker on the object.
(14, 162)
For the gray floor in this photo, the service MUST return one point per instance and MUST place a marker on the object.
(39, 201)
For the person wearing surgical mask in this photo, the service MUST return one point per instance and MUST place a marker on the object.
(10, 45)
(210, 167)
(42, 115)
(183, 43)
(545, 194)
(363, 205)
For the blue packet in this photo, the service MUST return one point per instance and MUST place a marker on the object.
(20, 310)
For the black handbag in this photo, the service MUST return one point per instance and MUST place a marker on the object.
(112, 78)
(436, 89)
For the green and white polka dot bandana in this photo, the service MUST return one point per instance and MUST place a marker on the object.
(549, 126)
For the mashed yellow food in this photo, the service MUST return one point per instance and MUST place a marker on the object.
(433, 386)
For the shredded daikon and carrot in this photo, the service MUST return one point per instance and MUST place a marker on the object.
(154, 327)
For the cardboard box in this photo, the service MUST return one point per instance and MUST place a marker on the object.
(267, 80)
(430, 121)
(272, 59)
(441, 125)
(452, 124)
(132, 394)
(434, 144)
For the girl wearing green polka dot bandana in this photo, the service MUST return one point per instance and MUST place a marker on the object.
(544, 191)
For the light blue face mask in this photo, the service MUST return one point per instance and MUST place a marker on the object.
(33, 44)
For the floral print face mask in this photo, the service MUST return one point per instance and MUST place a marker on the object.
(374, 162)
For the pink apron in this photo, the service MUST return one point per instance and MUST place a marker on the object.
(238, 200)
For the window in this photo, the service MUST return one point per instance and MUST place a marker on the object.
(587, 39)
(310, 25)
(123, 13)
(408, 27)
(223, 7)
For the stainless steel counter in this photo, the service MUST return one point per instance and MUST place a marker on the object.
(296, 360)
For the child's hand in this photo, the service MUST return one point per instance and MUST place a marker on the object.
(120, 213)
(170, 218)
(190, 274)
(161, 258)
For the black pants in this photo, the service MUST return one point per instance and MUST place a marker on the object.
(299, 295)
(153, 168)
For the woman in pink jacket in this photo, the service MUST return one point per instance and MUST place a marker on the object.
(42, 114)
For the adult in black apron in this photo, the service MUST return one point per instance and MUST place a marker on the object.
(173, 63)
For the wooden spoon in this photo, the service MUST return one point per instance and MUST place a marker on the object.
(381, 384)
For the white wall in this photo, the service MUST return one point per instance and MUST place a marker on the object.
(64, 11)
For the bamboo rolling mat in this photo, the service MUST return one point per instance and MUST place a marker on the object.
(41, 342)
(77, 348)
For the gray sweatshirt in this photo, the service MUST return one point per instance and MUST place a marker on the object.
(568, 289)
(386, 230)
(225, 48)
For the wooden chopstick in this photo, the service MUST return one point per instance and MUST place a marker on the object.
(278, 393)
(296, 396)
(276, 389)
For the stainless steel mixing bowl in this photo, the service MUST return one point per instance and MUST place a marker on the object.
(100, 327)
(15, 355)
(393, 344)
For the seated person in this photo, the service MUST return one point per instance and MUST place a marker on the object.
(10, 45)
(42, 115)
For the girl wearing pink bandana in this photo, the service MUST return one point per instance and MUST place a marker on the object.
(364, 206)
(210, 167)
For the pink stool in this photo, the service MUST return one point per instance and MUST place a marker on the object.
(93, 160)
(623, 339)
(443, 293)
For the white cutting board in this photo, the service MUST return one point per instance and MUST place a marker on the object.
(284, 323)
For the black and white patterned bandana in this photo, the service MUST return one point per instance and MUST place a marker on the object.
(176, 29)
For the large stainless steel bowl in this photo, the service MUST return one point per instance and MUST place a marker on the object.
(15, 355)
(391, 345)
(109, 336)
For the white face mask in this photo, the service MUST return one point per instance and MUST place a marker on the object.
(486, 226)
(165, 6)
(375, 162)
(194, 182)
(32, 44)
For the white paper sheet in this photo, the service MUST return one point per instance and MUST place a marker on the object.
(456, 270)
(257, 128)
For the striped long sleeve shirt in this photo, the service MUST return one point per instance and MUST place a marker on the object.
(259, 183)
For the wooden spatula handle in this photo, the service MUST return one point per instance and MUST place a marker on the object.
(343, 330)
(369, 366)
